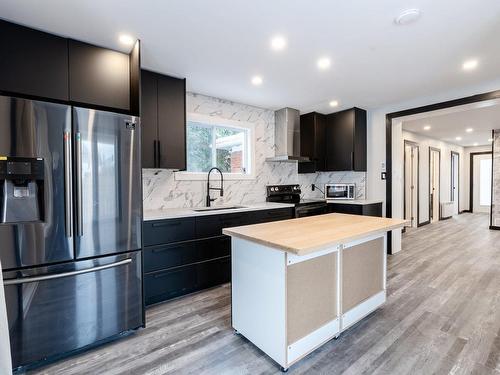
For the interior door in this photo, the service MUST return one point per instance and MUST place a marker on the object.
(108, 209)
(455, 184)
(35, 129)
(411, 184)
(481, 183)
(434, 188)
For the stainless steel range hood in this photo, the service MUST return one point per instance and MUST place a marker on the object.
(287, 136)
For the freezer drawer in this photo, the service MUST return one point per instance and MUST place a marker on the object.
(65, 307)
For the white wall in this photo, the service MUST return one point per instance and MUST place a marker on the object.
(445, 178)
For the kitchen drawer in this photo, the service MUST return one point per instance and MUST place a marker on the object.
(163, 285)
(352, 209)
(167, 231)
(265, 216)
(212, 225)
(214, 272)
(183, 253)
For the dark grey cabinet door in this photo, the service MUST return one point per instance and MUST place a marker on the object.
(340, 141)
(172, 122)
(149, 119)
(312, 138)
(33, 62)
(346, 140)
(99, 76)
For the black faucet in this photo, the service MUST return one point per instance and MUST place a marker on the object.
(221, 188)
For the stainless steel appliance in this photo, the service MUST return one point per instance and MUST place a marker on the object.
(70, 229)
(291, 194)
(340, 191)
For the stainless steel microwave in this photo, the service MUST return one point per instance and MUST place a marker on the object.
(340, 191)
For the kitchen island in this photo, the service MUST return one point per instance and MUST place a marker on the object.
(298, 283)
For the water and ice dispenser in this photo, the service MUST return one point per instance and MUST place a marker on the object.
(21, 190)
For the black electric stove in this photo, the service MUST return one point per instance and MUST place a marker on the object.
(291, 194)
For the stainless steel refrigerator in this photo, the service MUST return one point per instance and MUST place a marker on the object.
(70, 226)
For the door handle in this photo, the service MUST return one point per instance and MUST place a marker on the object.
(159, 155)
(78, 160)
(155, 164)
(68, 188)
(34, 279)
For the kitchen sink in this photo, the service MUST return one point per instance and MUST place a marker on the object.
(217, 208)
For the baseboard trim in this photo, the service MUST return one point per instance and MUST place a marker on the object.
(424, 223)
(494, 227)
(465, 212)
(445, 218)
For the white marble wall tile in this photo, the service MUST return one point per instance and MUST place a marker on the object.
(161, 190)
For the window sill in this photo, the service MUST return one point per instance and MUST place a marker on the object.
(197, 176)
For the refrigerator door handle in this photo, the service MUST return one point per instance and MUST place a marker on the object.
(68, 188)
(79, 202)
(34, 279)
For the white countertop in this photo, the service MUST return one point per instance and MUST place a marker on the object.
(355, 201)
(174, 213)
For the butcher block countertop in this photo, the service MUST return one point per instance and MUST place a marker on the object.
(309, 234)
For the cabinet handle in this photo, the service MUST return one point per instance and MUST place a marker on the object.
(166, 224)
(159, 155)
(155, 164)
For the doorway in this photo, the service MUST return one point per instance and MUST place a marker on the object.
(411, 181)
(434, 183)
(455, 182)
(480, 182)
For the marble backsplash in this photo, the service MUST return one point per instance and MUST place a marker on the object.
(161, 190)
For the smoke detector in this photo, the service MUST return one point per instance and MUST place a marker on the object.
(407, 16)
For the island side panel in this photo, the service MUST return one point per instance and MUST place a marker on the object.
(259, 296)
(363, 278)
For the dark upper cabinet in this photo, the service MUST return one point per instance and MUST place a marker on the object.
(345, 137)
(163, 119)
(149, 119)
(33, 63)
(172, 122)
(312, 141)
(99, 76)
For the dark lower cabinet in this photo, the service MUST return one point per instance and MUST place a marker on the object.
(373, 209)
(190, 254)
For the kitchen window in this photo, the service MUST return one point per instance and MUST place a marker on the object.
(215, 142)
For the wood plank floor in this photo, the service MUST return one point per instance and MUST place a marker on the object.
(442, 316)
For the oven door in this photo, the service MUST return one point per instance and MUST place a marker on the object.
(311, 210)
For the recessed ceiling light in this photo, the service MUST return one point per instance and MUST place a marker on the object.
(427, 127)
(278, 43)
(470, 64)
(475, 143)
(257, 80)
(324, 63)
(469, 130)
(407, 16)
(490, 140)
(334, 103)
(458, 138)
(126, 39)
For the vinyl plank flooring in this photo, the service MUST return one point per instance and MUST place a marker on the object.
(441, 317)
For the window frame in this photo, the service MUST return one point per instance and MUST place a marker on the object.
(222, 122)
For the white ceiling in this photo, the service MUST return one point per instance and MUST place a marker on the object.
(448, 124)
(219, 45)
